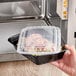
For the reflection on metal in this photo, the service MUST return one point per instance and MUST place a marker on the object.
(14, 0)
(35, 9)
(23, 9)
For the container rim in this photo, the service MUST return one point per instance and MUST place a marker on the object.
(39, 53)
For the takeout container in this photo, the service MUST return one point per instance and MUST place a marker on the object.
(51, 33)
(38, 59)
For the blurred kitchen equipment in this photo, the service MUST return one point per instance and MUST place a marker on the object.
(23, 9)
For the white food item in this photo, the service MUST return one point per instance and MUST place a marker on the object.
(37, 43)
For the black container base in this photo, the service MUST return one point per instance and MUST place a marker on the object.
(44, 58)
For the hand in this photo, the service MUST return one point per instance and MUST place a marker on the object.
(68, 62)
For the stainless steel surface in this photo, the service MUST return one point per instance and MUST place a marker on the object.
(28, 8)
(51, 8)
(22, 9)
(18, 9)
(14, 0)
(9, 29)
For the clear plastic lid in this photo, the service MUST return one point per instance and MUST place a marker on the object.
(39, 40)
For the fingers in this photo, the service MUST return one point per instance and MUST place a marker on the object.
(57, 63)
(71, 49)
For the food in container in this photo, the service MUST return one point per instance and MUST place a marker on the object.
(37, 43)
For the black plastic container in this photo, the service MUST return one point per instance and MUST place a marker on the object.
(38, 59)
